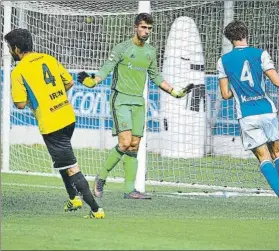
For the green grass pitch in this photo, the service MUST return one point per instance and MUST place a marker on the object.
(33, 219)
(217, 170)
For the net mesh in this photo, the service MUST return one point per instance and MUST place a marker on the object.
(80, 34)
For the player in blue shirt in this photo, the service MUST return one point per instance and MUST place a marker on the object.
(245, 69)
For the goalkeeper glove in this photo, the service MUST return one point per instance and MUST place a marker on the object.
(180, 93)
(87, 80)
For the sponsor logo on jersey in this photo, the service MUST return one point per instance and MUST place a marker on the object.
(55, 95)
(246, 99)
(132, 67)
(60, 105)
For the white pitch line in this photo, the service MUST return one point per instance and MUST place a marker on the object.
(29, 185)
(218, 194)
(161, 184)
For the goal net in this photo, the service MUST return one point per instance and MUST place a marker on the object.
(194, 140)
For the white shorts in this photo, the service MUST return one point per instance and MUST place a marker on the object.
(259, 129)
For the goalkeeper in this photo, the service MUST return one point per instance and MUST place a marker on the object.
(130, 62)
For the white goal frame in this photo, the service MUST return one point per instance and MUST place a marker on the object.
(141, 181)
(143, 6)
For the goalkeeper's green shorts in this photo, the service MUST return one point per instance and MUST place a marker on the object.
(128, 113)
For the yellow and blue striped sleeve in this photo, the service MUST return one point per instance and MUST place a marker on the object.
(18, 90)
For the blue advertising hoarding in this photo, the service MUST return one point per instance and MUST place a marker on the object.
(93, 111)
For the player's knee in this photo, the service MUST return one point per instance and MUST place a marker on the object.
(73, 170)
(124, 145)
(134, 147)
(264, 156)
(135, 143)
(262, 153)
(273, 156)
(274, 150)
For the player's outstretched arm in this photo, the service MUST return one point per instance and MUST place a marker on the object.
(89, 81)
(106, 69)
(155, 76)
(176, 92)
(181, 92)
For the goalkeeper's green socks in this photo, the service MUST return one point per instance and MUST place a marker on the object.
(271, 175)
(131, 167)
(276, 162)
(114, 157)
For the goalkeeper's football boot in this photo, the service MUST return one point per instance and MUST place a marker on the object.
(100, 214)
(74, 204)
(136, 195)
(99, 187)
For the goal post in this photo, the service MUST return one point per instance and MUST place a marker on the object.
(228, 17)
(144, 6)
(5, 88)
(198, 144)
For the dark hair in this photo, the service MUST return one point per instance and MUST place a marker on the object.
(236, 30)
(20, 38)
(143, 17)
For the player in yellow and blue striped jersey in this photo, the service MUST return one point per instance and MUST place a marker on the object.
(41, 82)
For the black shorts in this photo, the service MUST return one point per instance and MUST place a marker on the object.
(60, 148)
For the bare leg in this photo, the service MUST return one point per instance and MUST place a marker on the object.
(267, 167)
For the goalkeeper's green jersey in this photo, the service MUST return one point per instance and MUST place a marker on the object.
(130, 65)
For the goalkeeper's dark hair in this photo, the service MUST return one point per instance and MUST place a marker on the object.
(20, 38)
(146, 17)
(236, 30)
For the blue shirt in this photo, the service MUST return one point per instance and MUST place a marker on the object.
(244, 67)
